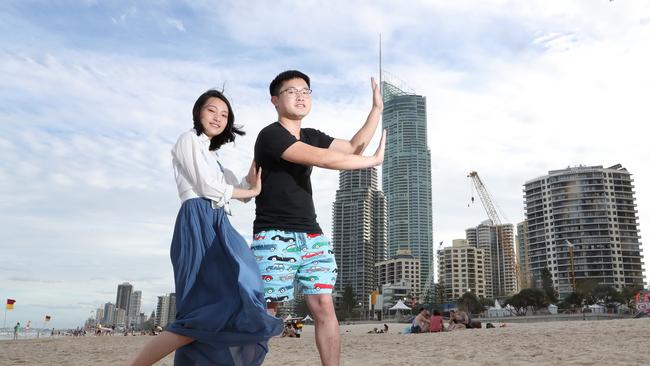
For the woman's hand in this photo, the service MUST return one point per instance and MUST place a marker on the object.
(256, 185)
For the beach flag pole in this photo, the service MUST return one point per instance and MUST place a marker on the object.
(9, 306)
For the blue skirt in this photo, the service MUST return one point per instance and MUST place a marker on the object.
(219, 298)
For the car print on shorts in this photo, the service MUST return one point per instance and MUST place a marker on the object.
(311, 236)
(267, 278)
(285, 239)
(276, 267)
(287, 277)
(258, 237)
(308, 278)
(282, 259)
(319, 286)
(311, 255)
(271, 247)
(317, 269)
(277, 299)
(293, 248)
(324, 260)
(285, 288)
(268, 290)
(320, 244)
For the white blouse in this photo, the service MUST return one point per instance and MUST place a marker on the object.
(198, 173)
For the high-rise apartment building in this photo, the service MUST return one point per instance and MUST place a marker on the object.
(461, 268)
(404, 269)
(123, 296)
(99, 315)
(171, 313)
(109, 314)
(406, 176)
(497, 242)
(523, 272)
(588, 212)
(162, 311)
(359, 232)
(135, 302)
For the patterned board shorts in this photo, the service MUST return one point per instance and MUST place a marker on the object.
(286, 258)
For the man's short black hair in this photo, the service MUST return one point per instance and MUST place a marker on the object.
(276, 84)
(420, 310)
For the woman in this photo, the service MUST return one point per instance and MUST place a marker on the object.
(221, 315)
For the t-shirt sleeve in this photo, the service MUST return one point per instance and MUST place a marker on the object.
(320, 139)
(274, 141)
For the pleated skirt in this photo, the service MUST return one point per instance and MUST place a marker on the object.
(219, 298)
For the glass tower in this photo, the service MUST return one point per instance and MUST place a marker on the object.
(406, 176)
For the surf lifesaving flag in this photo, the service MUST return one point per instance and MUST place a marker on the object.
(10, 304)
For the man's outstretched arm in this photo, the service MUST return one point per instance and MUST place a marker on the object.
(362, 138)
(304, 154)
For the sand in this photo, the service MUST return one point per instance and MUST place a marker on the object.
(606, 342)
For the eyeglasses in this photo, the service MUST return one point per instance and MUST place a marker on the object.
(293, 92)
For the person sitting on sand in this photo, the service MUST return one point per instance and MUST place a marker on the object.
(458, 320)
(421, 322)
(436, 323)
(385, 328)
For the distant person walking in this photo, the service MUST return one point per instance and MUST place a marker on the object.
(221, 316)
(16, 330)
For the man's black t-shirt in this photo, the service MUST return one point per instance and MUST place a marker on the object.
(286, 201)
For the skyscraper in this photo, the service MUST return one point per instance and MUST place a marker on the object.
(359, 232)
(134, 308)
(497, 242)
(406, 176)
(587, 212)
(123, 296)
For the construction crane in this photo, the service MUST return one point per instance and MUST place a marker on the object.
(491, 211)
(485, 198)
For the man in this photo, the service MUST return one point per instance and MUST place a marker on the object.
(16, 330)
(420, 322)
(288, 242)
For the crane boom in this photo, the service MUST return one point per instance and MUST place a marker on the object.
(485, 198)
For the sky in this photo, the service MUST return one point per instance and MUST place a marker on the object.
(93, 95)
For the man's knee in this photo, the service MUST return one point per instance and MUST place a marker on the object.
(322, 306)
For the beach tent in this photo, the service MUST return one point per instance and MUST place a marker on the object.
(398, 307)
(597, 309)
(497, 311)
(307, 319)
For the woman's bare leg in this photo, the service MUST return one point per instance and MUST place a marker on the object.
(162, 345)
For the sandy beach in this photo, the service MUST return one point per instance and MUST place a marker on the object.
(608, 342)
